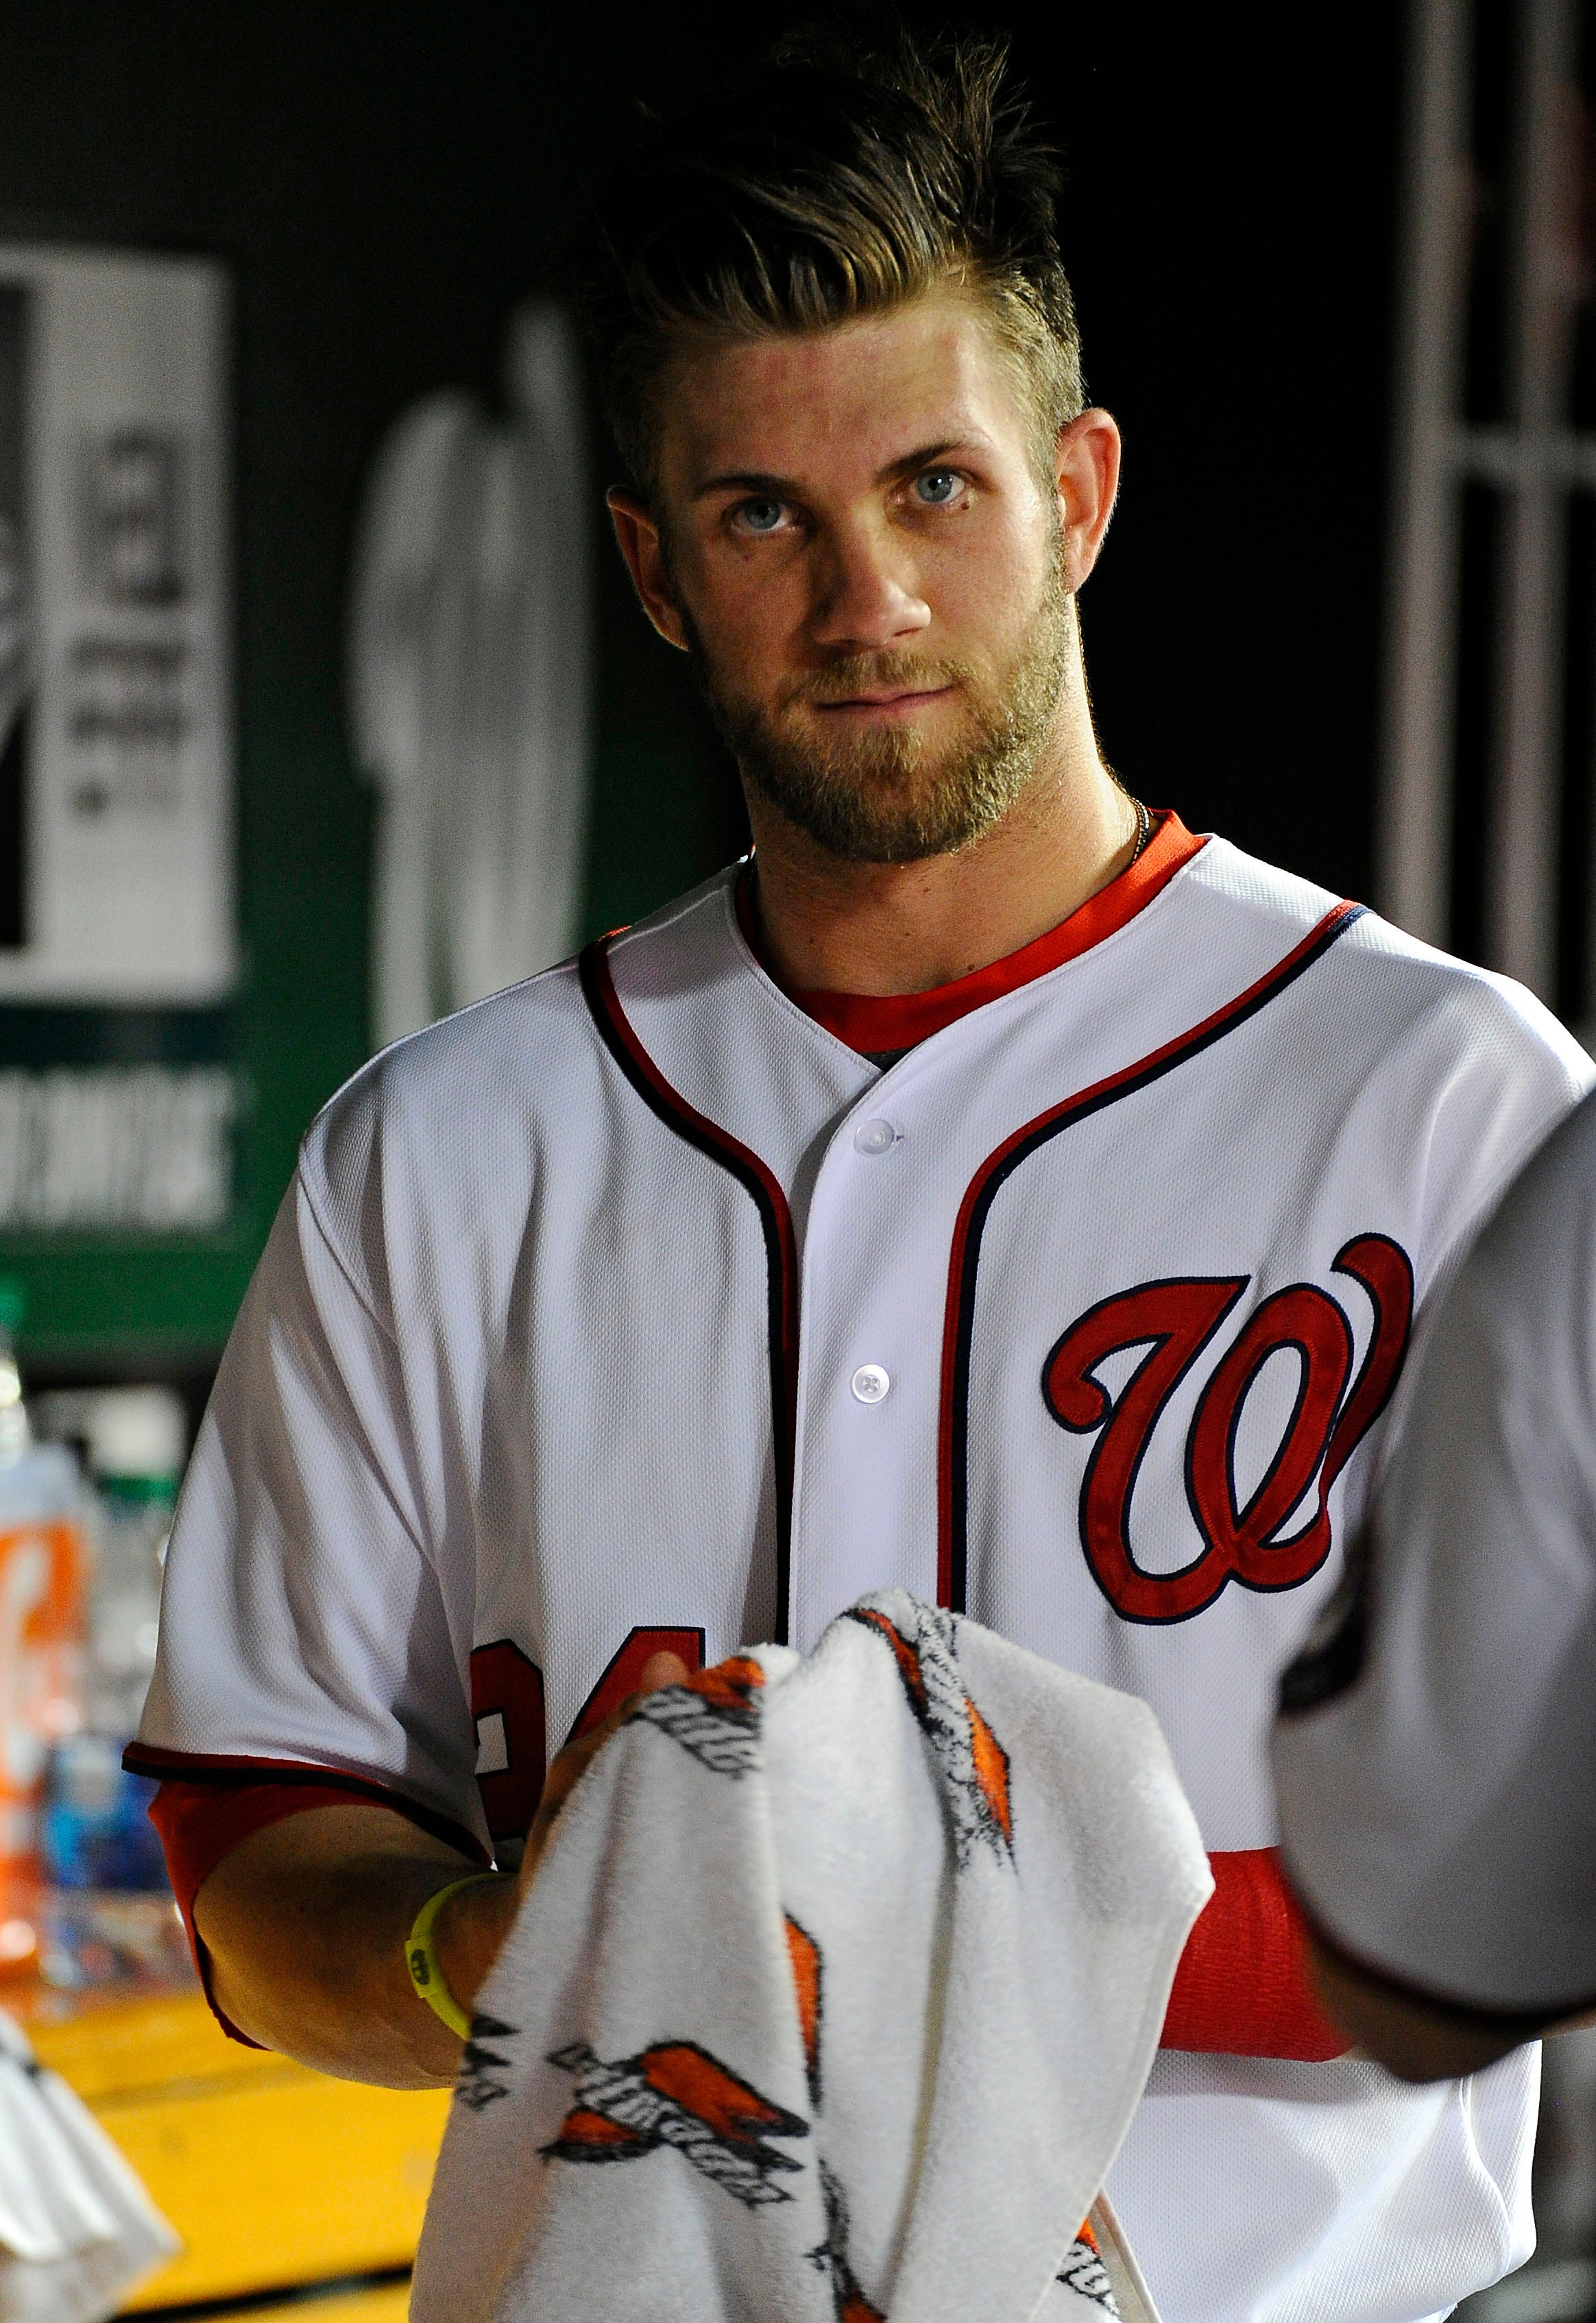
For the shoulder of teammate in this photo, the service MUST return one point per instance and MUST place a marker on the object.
(1500, 1402)
(1544, 1229)
(1515, 1339)
(1432, 1756)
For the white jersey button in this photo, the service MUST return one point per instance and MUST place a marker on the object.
(875, 1137)
(870, 1382)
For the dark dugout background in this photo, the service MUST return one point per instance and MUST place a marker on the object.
(386, 180)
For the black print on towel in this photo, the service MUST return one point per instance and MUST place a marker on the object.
(831, 2258)
(1084, 2272)
(484, 2071)
(809, 1987)
(676, 2093)
(975, 1766)
(715, 1715)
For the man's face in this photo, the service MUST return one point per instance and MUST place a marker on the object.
(867, 569)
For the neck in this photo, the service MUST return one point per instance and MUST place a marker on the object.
(881, 929)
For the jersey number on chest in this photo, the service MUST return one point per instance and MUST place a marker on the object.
(507, 1706)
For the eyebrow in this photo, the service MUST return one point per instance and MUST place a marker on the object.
(782, 488)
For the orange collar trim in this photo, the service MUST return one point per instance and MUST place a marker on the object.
(874, 1025)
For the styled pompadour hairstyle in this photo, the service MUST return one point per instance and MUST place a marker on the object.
(831, 179)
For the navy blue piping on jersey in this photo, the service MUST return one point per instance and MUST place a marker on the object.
(953, 1430)
(227, 1770)
(775, 1220)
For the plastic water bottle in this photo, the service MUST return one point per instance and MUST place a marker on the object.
(135, 1438)
(44, 1566)
(97, 1829)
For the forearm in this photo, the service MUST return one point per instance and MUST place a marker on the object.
(1413, 2036)
(305, 1922)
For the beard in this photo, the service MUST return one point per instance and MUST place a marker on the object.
(891, 795)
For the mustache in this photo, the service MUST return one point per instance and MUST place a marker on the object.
(854, 674)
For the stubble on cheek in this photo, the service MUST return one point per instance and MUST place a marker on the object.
(898, 794)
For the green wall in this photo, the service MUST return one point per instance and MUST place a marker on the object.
(383, 184)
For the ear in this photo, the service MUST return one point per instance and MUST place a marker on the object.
(1088, 480)
(638, 534)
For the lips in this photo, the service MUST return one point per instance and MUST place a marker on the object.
(887, 698)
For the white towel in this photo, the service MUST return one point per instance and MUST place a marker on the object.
(832, 1999)
(77, 2228)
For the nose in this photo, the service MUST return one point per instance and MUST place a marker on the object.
(867, 599)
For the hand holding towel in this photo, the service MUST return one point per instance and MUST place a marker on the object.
(832, 1999)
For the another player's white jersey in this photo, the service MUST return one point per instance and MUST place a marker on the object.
(632, 1308)
(1434, 1768)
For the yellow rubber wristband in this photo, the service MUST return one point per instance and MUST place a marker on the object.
(422, 1960)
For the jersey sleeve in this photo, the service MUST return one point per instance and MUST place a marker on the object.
(1490, 1073)
(200, 1821)
(315, 1615)
(1436, 1761)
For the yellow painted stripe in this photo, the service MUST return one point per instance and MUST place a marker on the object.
(268, 2173)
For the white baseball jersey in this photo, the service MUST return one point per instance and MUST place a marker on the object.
(632, 1307)
(1437, 1779)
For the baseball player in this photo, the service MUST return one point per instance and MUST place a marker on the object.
(1435, 1754)
(988, 1187)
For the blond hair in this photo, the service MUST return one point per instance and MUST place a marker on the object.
(829, 182)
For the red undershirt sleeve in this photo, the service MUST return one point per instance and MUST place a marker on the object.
(200, 1823)
(1242, 1988)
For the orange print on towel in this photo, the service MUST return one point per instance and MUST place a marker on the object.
(973, 1763)
(714, 1716)
(805, 1956)
(675, 2094)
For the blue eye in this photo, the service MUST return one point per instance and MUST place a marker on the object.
(937, 487)
(760, 516)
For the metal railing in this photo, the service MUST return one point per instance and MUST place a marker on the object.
(1533, 456)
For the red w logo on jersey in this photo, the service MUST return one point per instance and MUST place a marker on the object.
(1176, 1321)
